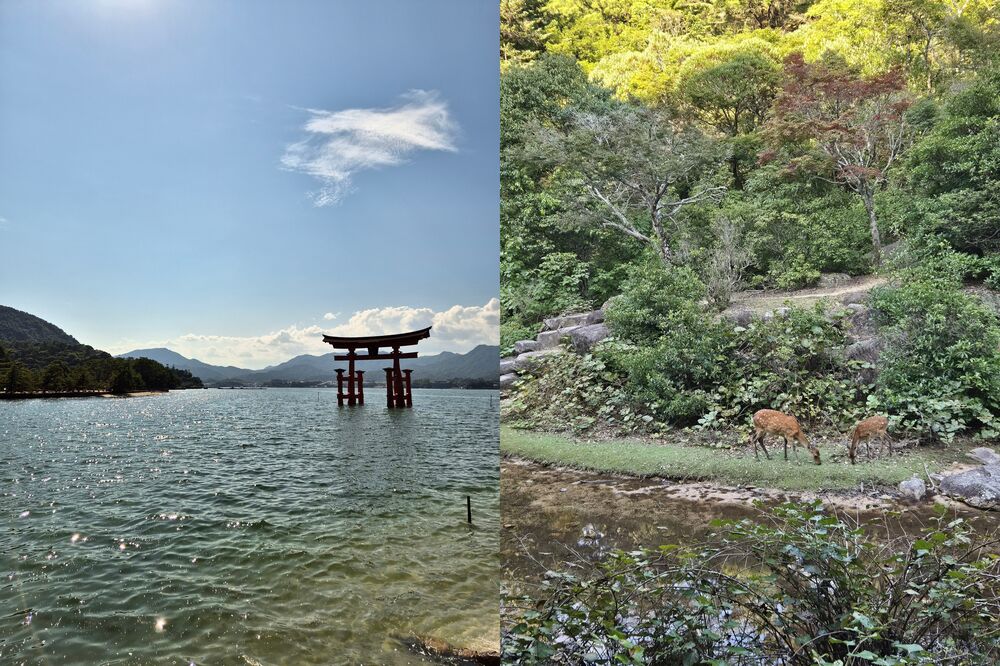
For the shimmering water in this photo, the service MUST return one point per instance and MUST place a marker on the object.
(246, 527)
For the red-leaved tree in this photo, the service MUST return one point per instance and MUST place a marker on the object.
(841, 127)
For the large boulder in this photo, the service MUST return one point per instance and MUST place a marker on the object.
(985, 455)
(988, 297)
(583, 338)
(552, 339)
(529, 361)
(523, 346)
(507, 380)
(913, 489)
(868, 350)
(506, 366)
(978, 487)
(827, 280)
(578, 319)
(738, 316)
(859, 296)
(861, 320)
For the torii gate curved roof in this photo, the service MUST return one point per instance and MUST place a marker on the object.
(391, 340)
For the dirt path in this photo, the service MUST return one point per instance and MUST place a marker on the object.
(762, 301)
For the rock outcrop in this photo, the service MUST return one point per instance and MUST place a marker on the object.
(583, 338)
(571, 320)
(522, 346)
(578, 332)
(978, 487)
(528, 361)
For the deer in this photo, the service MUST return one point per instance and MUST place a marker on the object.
(867, 429)
(772, 422)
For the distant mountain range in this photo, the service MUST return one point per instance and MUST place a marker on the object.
(480, 364)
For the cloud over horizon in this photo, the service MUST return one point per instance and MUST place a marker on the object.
(458, 329)
(342, 143)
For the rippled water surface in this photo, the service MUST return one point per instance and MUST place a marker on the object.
(246, 527)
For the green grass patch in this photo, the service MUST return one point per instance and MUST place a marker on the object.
(731, 467)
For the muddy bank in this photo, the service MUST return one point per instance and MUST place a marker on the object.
(556, 515)
(445, 653)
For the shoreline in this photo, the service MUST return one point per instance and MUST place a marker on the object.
(874, 498)
(52, 395)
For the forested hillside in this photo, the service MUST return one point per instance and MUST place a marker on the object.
(36, 355)
(668, 155)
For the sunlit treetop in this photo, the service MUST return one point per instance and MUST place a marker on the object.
(638, 47)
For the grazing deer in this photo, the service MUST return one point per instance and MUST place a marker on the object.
(867, 429)
(772, 422)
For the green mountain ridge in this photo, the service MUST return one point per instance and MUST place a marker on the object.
(38, 355)
(18, 326)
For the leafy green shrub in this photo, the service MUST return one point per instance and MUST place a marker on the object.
(805, 222)
(941, 364)
(572, 392)
(991, 268)
(672, 379)
(511, 331)
(795, 274)
(556, 286)
(956, 165)
(813, 590)
(794, 363)
(652, 300)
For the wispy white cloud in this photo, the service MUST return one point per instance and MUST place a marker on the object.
(330, 316)
(459, 329)
(341, 143)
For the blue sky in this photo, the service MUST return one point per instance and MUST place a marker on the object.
(231, 179)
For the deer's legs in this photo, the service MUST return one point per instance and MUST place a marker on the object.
(785, 440)
(757, 438)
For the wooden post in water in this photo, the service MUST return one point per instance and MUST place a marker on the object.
(409, 390)
(388, 387)
(340, 387)
(350, 377)
(397, 379)
(361, 387)
(468, 508)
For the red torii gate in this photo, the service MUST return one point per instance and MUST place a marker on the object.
(397, 382)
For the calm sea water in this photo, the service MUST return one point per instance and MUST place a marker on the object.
(246, 527)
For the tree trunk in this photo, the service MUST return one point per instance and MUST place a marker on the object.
(662, 247)
(734, 165)
(869, 198)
